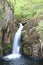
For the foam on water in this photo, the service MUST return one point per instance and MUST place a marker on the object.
(11, 56)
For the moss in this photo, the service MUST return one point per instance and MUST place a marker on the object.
(6, 48)
(39, 29)
(24, 35)
(1, 17)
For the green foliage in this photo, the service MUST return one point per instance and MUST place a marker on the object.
(26, 9)
(39, 28)
(1, 10)
(6, 48)
(1, 17)
(38, 1)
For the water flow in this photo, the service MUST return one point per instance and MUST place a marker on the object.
(16, 45)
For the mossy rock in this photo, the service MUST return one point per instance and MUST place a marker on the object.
(6, 48)
(24, 35)
(39, 28)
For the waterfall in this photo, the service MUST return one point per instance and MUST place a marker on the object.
(16, 45)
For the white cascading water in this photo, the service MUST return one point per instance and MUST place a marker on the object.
(16, 45)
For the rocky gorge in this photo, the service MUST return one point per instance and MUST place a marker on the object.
(32, 42)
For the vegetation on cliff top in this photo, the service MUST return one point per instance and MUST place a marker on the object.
(27, 9)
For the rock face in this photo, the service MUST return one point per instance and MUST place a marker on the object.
(8, 34)
(7, 26)
(31, 44)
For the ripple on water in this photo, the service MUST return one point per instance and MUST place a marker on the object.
(21, 61)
